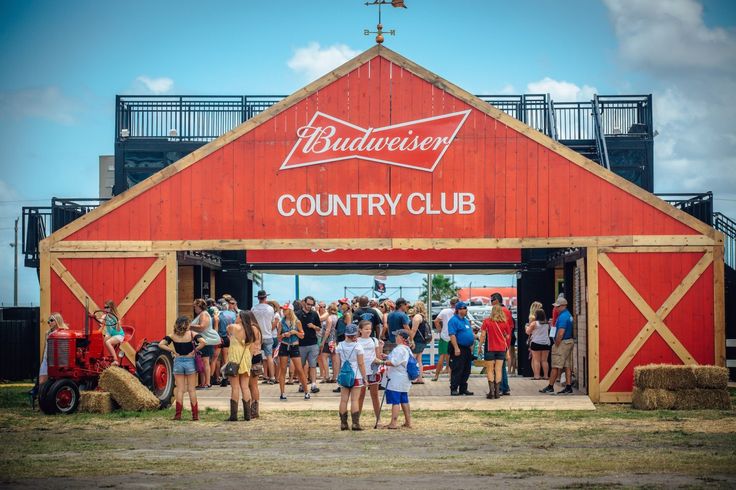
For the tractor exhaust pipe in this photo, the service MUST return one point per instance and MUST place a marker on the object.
(86, 316)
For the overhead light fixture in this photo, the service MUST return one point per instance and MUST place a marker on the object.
(124, 133)
(173, 133)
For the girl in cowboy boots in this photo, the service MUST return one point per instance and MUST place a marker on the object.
(183, 345)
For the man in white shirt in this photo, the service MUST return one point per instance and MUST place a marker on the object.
(440, 323)
(264, 314)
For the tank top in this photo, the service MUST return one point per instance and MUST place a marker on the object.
(290, 340)
(540, 334)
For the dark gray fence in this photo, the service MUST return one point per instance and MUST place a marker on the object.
(19, 341)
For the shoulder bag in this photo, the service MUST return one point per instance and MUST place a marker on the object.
(231, 368)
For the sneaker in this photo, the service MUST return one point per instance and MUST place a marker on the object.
(266, 382)
(567, 390)
(506, 393)
(467, 393)
(282, 397)
(336, 390)
(547, 389)
(224, 382)
(454, 393)
(315, 389)
(301, 389)
(272, 381)
(307, 396)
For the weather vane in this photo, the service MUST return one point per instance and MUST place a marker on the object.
(379, 28)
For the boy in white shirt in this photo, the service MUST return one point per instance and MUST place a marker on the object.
(351, 351)
(397, 381)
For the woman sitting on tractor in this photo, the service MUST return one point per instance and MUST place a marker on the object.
(112, 330)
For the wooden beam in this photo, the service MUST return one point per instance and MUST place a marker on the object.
(153, 247)
(106, 255)
(655, 320)
(172, 291)
(77, 290)
(591, 266)
(44, 280)
(655, 249)
(719, 306)
(616, 397)
(140, 287)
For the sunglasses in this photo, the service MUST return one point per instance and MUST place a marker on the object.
(51, 320)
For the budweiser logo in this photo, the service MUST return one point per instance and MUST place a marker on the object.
(416, 144)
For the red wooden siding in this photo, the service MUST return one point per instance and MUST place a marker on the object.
(112, 278)
(655, 276)
(522, 189)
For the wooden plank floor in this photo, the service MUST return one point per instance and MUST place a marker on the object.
(430, 396)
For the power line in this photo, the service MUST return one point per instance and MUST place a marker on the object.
(24, 200)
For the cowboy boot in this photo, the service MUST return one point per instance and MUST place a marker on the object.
(179, 407)
(491, 388)
(247, 410)
(254, 409)
(233, 411)
(356, 420)
(195, 411)
(344, 421)
(497, 391)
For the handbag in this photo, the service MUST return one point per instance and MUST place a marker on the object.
(231, 368)
(198, 362)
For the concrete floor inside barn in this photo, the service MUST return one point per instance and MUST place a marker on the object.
(430, 396)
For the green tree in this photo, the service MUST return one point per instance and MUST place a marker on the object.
(443, 288)
(257, 278)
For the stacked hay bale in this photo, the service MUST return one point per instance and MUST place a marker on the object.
(669, 387)
(127, 391)
(95, 402)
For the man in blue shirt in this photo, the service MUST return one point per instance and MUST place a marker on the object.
(461, 350)
(397, 320)
(561, 350)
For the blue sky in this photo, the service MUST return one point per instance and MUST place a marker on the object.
(62, 63)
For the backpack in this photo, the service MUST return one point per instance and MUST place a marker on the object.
(412, 369)
(346, 376)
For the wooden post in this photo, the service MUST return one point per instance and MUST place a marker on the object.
(172, 291)
(719, 305)
(44, 271)
(593, 325)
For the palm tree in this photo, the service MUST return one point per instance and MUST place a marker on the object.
(257, 278)
(443, 288)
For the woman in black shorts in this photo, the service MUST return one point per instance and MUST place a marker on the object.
(290, 331)
(256, 368)
(540, 346)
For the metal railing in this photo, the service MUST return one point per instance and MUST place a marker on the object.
(697, 205)
(600, 137)
(727, 226)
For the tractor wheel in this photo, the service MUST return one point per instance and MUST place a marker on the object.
(155, 369)
(61, 397)
(45, 403)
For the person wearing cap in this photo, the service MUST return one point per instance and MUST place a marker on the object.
(397, 321)
(366, 312)
(290, 332)
(561, 350)
(497, 299)
(227, 317)
(352, 352)
(462, 339)
(396, 382)
(265, 313)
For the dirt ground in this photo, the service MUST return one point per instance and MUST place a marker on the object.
(612, 446)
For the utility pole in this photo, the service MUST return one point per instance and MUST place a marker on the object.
(15, 271)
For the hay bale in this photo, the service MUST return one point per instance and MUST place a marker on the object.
(652, 399)
(711, 377)
(95, 402)
(664, 377)
(702, 399)
(127, 391)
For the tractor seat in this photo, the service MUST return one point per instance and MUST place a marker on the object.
(129, 331)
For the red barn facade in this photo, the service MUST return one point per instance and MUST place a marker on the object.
(383, 154)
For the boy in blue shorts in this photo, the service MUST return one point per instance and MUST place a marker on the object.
(397, 381)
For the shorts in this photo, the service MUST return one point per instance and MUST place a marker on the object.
(536, 347)
(256, 368)
(495, 355)
(309, 353)
(356, 384)
(225, 342)
(418, 348)
(267, 347)
(119, 338)
(562, 355)
(326, 348)
(286, 350)
(443, 346)
(274, 344)
(396, 397)
(184, 365)
(208, 351)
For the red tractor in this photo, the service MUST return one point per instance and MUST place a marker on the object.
(76, 360)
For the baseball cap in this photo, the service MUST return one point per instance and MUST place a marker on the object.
(460, 305)
(560, 302)
(344, 301)
(351, 330)
(403, 333)
(262, 294)
(287, 306)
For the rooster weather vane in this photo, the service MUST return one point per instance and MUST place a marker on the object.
(379, 32)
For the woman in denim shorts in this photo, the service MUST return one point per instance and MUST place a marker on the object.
(183, 344)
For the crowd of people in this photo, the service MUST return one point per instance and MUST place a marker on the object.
(362, 345)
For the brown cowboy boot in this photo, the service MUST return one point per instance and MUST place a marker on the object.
(497, 391)
(233, 411)
(195, 411)
(344, 421)
(491, 388)
(356, 420)
(247, 408)
(254, 409)
(179, 408)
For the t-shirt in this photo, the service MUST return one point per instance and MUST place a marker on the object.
(396, 321)
(444, 317)
(369, 351)
(511, 323)
(369, 314)
(310, 335)
(264, 314)
(565, 321)
(349, 352)
(460, 328)
(227, 317)
(498, 335)
(396, 378)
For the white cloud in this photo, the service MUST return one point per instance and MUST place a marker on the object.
(153, 86)
(693, 67)
(43, 103)
(314, 61)
(561, 91)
